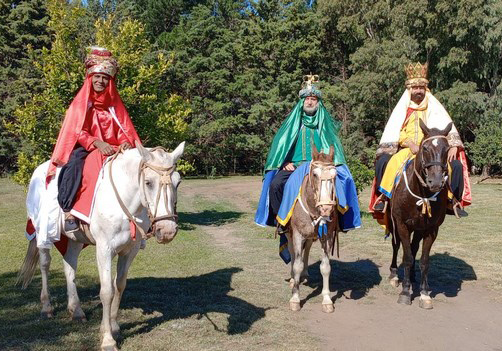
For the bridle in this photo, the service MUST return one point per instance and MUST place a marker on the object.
(425, 201)
(425, 166)
(326, 177)
(164, 181)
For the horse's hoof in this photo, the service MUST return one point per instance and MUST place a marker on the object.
(80, 319)
(294, 306)
(426, 304)
(46, 314)
(404, 299)
(328, 308)
(394, 282)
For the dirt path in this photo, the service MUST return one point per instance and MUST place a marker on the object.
(469, 319)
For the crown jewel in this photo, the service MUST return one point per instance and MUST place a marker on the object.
(100, 60)
(308, 87)
(416, 74)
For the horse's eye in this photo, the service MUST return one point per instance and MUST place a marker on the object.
(148, 183)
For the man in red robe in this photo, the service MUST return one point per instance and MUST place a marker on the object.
(95, 125)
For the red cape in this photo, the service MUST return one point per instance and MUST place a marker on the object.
(74, 120)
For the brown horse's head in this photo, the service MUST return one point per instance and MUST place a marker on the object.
(431, 162)
(322, 180)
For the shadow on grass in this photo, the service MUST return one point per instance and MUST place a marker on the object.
(21, 327)
(188, 220)
(446, 275)
(351, 280)
(164, 298)
(176, 298)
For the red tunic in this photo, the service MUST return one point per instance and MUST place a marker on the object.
(100, 125)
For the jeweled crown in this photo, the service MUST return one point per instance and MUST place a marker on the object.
(416, 74)
(308, 87)
(100, 60)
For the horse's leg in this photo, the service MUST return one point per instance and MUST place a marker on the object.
(45, 298)
(429, 238)
(123, 264)
(404, 234)
(104, 257)
(70, 269)
(294, 302)
(393, 278)
(415, 243)
(291, 249)
(306, 251)
(327, 304)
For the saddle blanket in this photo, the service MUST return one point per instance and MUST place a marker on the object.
(346, 195)
(45, 217)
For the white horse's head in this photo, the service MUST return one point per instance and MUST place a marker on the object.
(158, 183)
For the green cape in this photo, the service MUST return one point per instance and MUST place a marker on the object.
(288, 132)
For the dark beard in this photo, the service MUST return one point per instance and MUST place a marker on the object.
(310, 111)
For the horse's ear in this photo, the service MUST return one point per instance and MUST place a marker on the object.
(424, 127)
(447, 130)
(176, 154)
(145, 154)
(315, 152)
(331, 152)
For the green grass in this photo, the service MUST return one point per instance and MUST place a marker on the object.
(220, 284)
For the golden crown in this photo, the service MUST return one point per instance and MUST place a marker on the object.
(308, 87)
(416, 74)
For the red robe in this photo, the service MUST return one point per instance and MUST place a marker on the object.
(80, 125)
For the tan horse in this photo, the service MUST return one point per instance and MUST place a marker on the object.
(142, 188)
(315, 207)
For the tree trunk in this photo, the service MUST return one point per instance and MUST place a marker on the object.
(486, 171)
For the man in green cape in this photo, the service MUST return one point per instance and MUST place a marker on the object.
(309, 123)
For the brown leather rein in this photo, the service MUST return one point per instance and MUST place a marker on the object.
(165, 180)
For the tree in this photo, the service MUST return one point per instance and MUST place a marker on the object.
(158, 115)
(23, 33)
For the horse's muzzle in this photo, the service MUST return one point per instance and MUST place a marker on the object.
(325, 210)
(165, 231)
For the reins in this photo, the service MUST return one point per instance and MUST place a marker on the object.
(424, 201)
(316, 220)
(165, 180)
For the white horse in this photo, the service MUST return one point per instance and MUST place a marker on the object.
(142, 187)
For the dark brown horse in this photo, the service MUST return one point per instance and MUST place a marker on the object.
(316, 206)
(417, 209)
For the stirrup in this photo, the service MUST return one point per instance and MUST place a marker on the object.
(71, 224)
(280, 230)
(380, 201)
(458, 210)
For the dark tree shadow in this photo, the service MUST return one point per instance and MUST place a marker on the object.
(199, 295)
(351, 280)
(446, 275)
(171, 298)
(188, 220)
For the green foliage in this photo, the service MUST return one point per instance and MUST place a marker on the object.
(23, 32)
(159, 116)
(486, 151)
(223, 74)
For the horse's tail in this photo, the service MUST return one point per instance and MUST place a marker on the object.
(27, 270)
